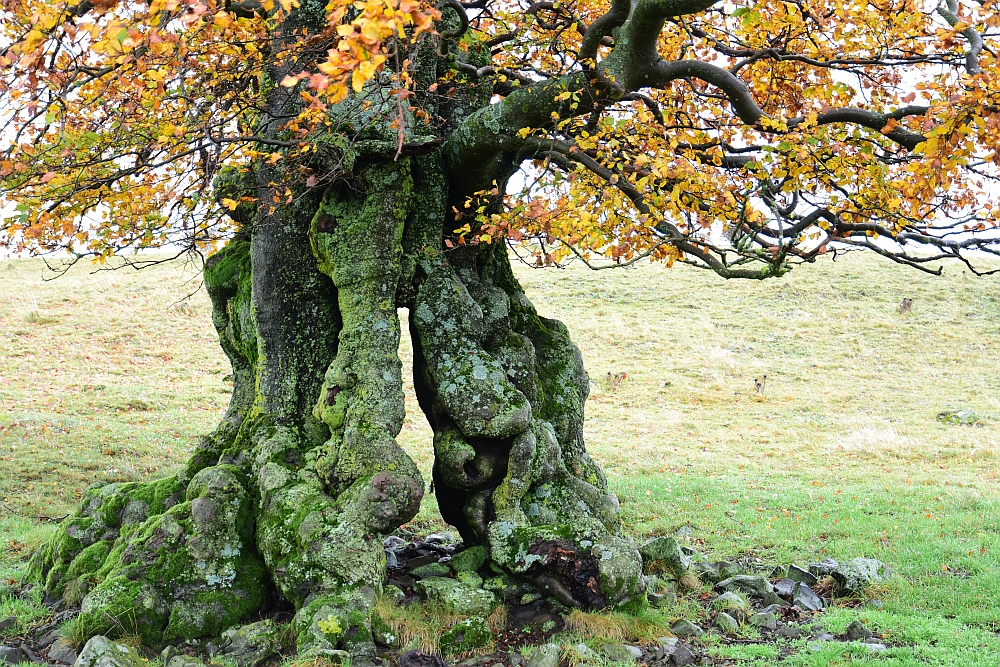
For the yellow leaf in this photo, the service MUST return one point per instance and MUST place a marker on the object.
(223, 20)
(357, 80)
(230, 204)
(33, 40)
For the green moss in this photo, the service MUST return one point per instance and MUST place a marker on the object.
(465, 636)
(188, 572)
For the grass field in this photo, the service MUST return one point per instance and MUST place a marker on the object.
(113, 375)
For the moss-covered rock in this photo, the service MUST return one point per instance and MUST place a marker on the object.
(100, 651)
(464, 636)
(189, 572)
(663, 555)
(469, 560)
(457, 596)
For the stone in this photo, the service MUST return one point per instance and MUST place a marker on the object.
(168, 653)
(764, 620)
(666, 647)
(725, 623)
(182, 660)
(784, 588)
(685, 628)
(682, 656)
(393, 542)
(420, 659)
(440, 538)
(250, 645)
(471, 579)
(771, 598)
(730, 600)
(515, 659)
(12, 656)
(707, 572)
(823, 568)
(806, 577)
(875, 647)
(858, 631)
(394, 593)
(804, 598)
(663, 554)
(48, 638)
(8, 623)
(790, 632)
(457, 596)
(666, 598)
(63, 651)
(466, 636)
(960, 417)
(745, 583)
(855, 575)
(102, 652)
(431, 570)
(469, 560)
(727, 569)
(621, 652)
(546, 655)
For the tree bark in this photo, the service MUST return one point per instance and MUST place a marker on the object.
(294, 492)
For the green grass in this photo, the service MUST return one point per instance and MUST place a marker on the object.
(115, 375)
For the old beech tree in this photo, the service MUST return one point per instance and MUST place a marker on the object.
(336, 162)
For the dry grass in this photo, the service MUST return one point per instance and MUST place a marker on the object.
(644, 627)
(420, 626)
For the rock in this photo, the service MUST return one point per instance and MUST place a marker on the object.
(471, 579)
(394, 593)
(664, 598)
(182, 660)
(725, 623)
(431, 570)
(960, 417)
(440, 538)
(858, 631)
(168, 653)
(682, 656)
(546, 655)
(707, 572)
(394, 542)
(63, 651)
(420, 659)
(469, 560)
(516, 659)
(875, 647)
(770, 609)
(685, 628)
(102, 652)
(823, 568)
(48, 638)
(250, 645)
(12, 656)
(730, 600)
(854, 575)
(621, 652)
(771, 598)
(764, 620)
(727, 569)
(8, 623)
(806, 577)
(466, 636)
(457, 596)
(784, 588)
(805, 598)
(666, 647)
(391, 559)
(790, 632)
(745, 583)
(663, 554)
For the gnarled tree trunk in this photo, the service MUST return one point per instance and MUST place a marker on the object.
(295, 490)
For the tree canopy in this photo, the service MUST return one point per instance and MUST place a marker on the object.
(717, 134)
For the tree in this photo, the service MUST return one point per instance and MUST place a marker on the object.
(358, 157)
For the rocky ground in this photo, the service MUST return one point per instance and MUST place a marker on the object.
(455, 588)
